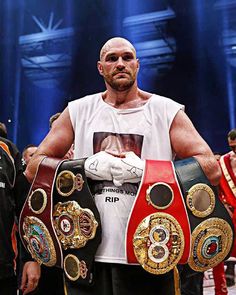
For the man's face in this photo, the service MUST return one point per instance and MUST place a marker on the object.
(28, 154)
(232, 144)
(118, 65)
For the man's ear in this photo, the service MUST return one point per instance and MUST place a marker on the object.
(138, 64)
(100, 68)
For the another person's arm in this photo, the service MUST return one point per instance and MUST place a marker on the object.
(186, 142)
(56, 143)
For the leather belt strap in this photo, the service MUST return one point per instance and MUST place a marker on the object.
(44, 246)
(190, 173)
(60, 224)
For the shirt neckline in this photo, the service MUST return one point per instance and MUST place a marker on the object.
(129, 110)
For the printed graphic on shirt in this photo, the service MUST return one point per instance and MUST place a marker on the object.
(117, 144)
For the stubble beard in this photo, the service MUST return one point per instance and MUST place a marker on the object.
(118, 84)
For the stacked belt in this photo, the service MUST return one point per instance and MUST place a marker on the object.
(177, 218)
(59, 223)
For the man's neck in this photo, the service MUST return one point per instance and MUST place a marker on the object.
(131, 98)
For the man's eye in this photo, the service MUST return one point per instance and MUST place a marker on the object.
(127, 57)
(112, 58)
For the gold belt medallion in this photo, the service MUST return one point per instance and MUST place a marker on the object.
(201, 200)
(74, 225)
(67, 183)
(211, 243)
(158, 243)
(39, 241)
(75, 268)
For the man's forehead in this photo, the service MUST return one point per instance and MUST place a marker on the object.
(117, 44)
(232, 141)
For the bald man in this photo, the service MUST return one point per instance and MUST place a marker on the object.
(156, 127)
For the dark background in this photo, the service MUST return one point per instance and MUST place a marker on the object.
(49, 50)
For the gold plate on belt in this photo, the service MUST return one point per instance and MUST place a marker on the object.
(74, 225)
(211, 243)
(158, 243)
(67, 183)
(38, 201)
(74, 268)
(201, 200)
(39, 241)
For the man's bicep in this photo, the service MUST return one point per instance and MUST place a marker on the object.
(55, 144)
(185, 140)
(59, 139)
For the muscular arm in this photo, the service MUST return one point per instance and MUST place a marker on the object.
(56, 143)
(187, 142)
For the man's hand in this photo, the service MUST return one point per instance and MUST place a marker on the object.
(98, 166)
(104, 166)
(30, 276)
(128, 169)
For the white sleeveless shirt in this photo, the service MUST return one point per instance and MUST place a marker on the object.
(143, 130)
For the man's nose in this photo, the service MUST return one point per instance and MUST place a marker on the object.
(120, 63)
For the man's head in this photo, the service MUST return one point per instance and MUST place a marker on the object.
(3, 130)
(232, 140)
(118, 64)
(28, 152)
(53, 118)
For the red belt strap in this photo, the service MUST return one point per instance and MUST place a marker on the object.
(158, 171)
(44, 179)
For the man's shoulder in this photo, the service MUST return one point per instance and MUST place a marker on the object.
(9, 144)
(10, 151)
(158, 99)
(85, 99)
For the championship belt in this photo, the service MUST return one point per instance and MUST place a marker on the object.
(59, 223)
(158, 231)
(211, 225)
(77, 221)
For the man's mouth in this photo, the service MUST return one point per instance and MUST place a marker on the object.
(120, 74)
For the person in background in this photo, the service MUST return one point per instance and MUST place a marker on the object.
(3, 130)
(27, 153)
(159, 129)
(219, 270)
(11, 201)
(228, 196)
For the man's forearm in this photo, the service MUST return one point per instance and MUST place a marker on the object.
(211, 168)
(32, 167)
